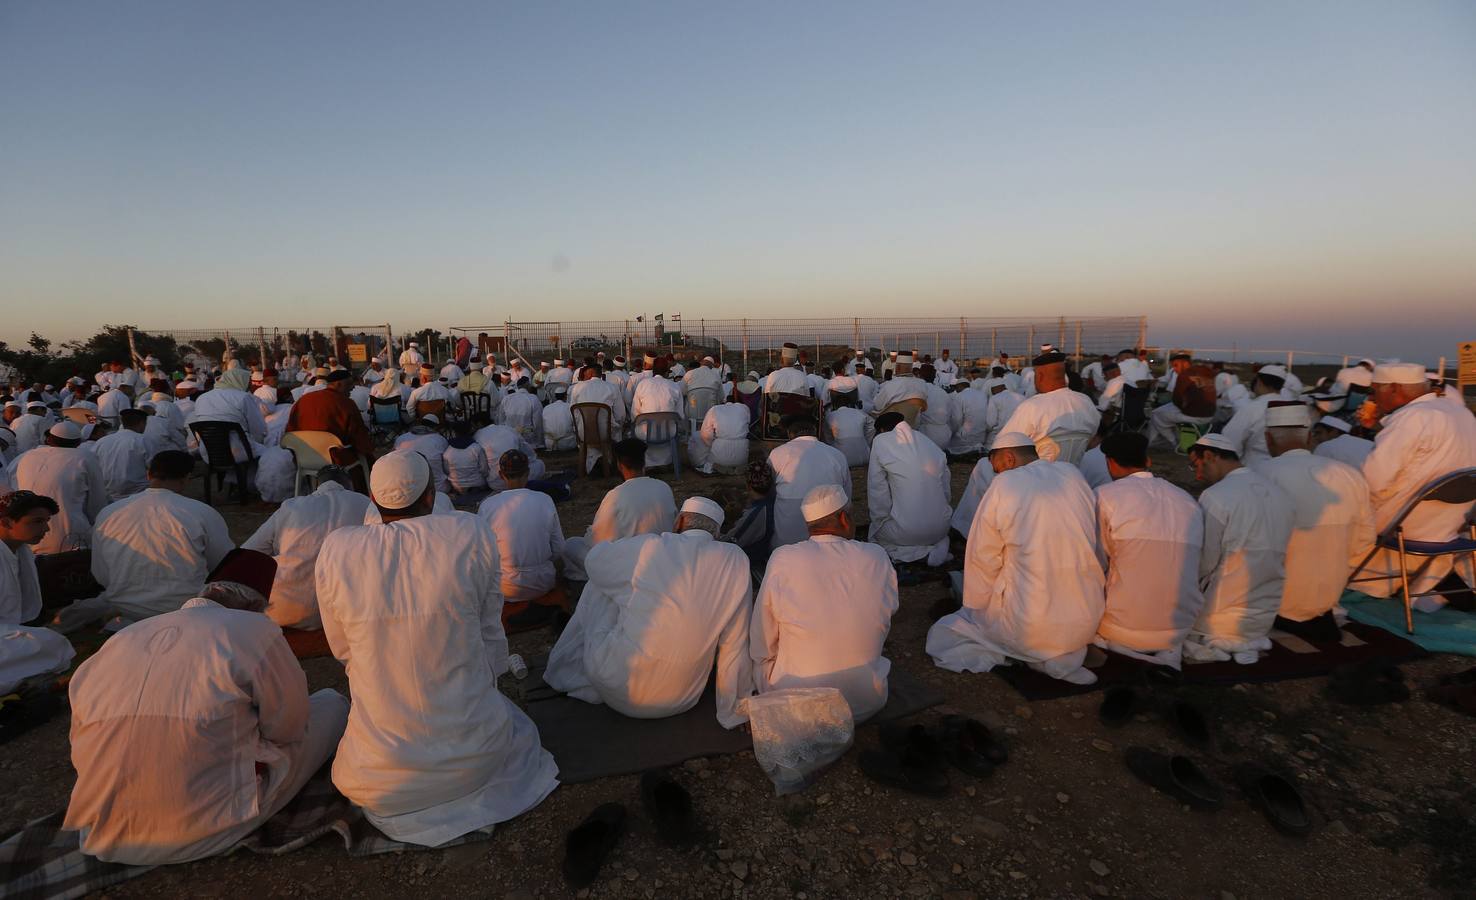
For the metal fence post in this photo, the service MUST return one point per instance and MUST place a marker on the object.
(1142, 332)
(1078, 342)
(1061, 333)
(745, 348)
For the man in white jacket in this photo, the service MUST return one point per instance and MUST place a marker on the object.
(432, 750)
(822, 616)
(1033, 586)
(721, 444)
(907, 493)
(659, 613)
(799, 464)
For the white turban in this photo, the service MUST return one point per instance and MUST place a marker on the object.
(399, 478)
(1399, 373)
(1291, 415)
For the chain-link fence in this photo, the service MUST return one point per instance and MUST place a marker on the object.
(756, 343)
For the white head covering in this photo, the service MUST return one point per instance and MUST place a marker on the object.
(65, 430)
(789, 353)
(1217, 441)
(432, 418)
(399, 478)
(1012, 439)
(1273, 370)
(1399, 373)
(1291, 415)
(1335, 423)
(822, 501)
(704, 507)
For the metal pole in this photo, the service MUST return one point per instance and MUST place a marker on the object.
(1289, 355)
(1061, 333)
(1030, 344)
(937, 344)
(745, 348)
(963, 340)
(856, 334)
(1142, 332)
(993, 342)
(1078, 342)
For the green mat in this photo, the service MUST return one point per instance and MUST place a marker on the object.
(1446, 631)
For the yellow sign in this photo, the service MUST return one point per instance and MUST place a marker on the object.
(358, 353)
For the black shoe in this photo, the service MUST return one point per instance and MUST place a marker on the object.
(534, 616)
(970, 746)
(1369, 683)
(587, 846)
(1118, 706)
(905, 772)
(1321, 629)
(1276, 797)
(670, 807)
(1176, 776)
(1188, 721)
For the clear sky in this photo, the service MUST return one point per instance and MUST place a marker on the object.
(1288, 174)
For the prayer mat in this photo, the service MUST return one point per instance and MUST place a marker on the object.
(1289, 657)
(1444, 631)
(591, 741)
(43, 862)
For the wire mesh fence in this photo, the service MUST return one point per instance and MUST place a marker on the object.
(756, 343)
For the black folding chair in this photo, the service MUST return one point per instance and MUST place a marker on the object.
(1458, 487)
(1134, 413)
(220, 457)
(476, 408)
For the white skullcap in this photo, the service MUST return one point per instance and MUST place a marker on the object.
(1360, 377)
(10, 403)
(1218, 442)
(431, 418)
(424, 367)
(704, 507)
(35, 404)
(1399, 373)
(1012, 439)
(619, 362)
(186, 384)
(1273, 370)
(904, 358)
(413, 344)
(558, 362)
(822, 501)
(1335, 423)
(543, 364)
(708, 359)
(1291, 415)
(65, 430)
(860, 352)
(399, 478)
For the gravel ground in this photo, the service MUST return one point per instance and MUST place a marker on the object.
(1392, 800)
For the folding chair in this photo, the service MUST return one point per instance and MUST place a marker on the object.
(220, 457)
(778, 407)
(1458, 487)
(1071, 446)
(435, 408)
(476, 408)
(312, 451)
(384, 416)
(661, 428)
(592, 427)
(1134, 413)
(1188, 434)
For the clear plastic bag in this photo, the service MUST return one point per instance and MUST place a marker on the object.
(797, 732)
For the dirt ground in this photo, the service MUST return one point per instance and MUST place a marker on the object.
(1393, 802)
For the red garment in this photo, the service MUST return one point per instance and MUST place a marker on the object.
(328, 410)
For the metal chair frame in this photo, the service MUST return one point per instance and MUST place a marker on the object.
(215, 437)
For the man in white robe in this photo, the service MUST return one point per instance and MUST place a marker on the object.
(522, 411)
(1332, 527)
(293, 536)
(638, 505)
(850, 431)
(1056, 417)
(656, 394)
(790, 378)
(430, 390)
(114, 401)
(432, 750)
(936, 417)
(558, 422)
(526, 526)
(1002, 404)
(410, 358)
(25, 652)
(1422, 439)
(822, 616)
(1033, 586)
(1151, 534)
(30, 428)
(660, 611)
(903, 386)
(229, 401)
(908, 493)
(496, 440)
(721, 444)
(968, 418)
(152, 551)
(124, 455)
(801, 464)
(191, 729)
(1242, 568)
(1331, 438)
(968, 503)
(947, 370)
(71, 476)
(424, 437)
(1246, 430)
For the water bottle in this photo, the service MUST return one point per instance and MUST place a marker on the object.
(516, 665)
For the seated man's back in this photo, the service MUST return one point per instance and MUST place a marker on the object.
(432, 750)
(294, 536)
(152, 551)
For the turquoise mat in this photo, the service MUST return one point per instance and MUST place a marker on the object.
(1446, 631)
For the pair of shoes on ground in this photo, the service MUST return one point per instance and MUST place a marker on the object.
(1122, 702)
(1179, 777)
(1372, 682)
(665, 801)
(1457, 692)
(916, 758)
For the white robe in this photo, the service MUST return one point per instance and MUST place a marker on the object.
(432, 445)
(111, 403)
(529, 539)
(1094, 467)
(496, 440)
(968, 504)
(441, 505)
(1345, 448)
(800, 465)
(788, 380)
(432, 750)
(907, 493)
(466, 467)
(1246, 431)
(188, 731)
(1054, 417)
(558, 427)
(124, 458)
(20, 588)
(636, 506)
(30, 431)
(70, 476)
(1150, 534)
(722, 440)
(1421, 441)
(1002, 405)
(851, 432)
(658, 612)
(1242, 569)
(1033, 586)
(653, 395)
(935, 419)
(523, 413)
(821, 619)
(969, 420)
(1331, 532)
(152, 551)
(227, 405)
(900, 388)
(293, 534)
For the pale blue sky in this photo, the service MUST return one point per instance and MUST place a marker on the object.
(1294, 174)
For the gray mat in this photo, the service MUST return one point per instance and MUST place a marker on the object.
(592, 741)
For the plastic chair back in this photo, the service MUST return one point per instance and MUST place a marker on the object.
(79, 414)
(1071, 446)
(385, 411)
(312, 451)
(699, 401)
(661, 428)
(592, 427)
(435, 408)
